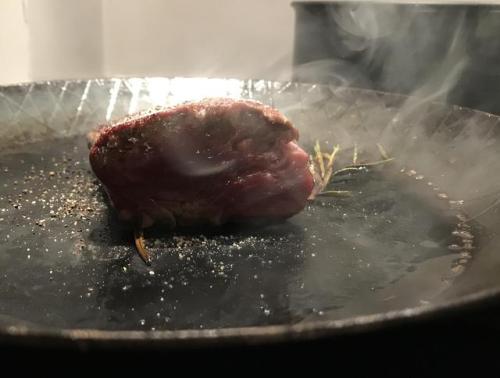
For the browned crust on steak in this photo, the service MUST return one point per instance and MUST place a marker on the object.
(100, 135)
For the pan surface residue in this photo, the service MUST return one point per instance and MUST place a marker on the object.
(66, 262)
(400, 241)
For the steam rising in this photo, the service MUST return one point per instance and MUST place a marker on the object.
(414, 49)
(419, 50)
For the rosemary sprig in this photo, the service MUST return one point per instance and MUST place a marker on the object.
(336, 193)
(319, 158)
(358, 167)
(323, 164)
(348, 170)
(371, 164)
(329, 166)
(383, 152)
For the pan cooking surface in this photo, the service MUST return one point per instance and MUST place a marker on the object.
(399, 242)
(67, 263)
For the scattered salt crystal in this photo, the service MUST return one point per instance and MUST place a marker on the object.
(463, 234)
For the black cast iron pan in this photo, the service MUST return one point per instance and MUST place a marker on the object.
(418, 237)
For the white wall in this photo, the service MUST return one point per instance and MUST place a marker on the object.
(65, 38)
(236, 38)
(14, 57)
(77, 39)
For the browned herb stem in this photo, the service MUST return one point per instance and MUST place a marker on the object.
(141, 247)
(319, 159)
(382, 151)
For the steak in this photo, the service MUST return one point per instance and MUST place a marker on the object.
(213, 161)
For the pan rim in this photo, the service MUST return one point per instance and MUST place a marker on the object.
(251, 335)
(254, 79)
